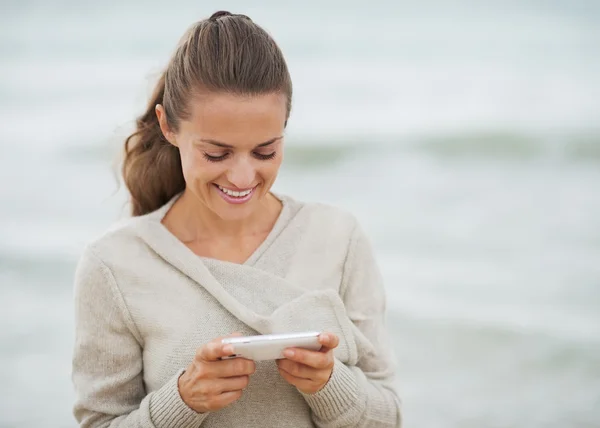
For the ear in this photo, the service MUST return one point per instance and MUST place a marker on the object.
(164, 126)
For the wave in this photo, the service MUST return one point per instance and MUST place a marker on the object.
(582, 146)
(38, 266)
(458, 315)
(317, 151)
(479, 345)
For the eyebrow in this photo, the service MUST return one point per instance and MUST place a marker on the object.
(229, 146)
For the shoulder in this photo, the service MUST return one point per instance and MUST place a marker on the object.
(115, 235)
(118, 243)
(327, 220)
(326, 226)
(93, 273)
(122, 240)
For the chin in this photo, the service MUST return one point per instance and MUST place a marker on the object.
(231, 211)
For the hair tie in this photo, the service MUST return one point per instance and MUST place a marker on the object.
(218, 14)
(215, 16)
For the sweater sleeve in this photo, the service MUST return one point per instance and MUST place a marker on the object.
(364, 395)
(107, 361)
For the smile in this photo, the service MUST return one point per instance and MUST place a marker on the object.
(234, 193)
(235, 196)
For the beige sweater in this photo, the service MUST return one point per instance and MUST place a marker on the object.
(144, 303)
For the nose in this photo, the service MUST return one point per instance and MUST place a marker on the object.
(242, 173)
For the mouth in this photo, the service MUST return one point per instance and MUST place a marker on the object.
(235, 196)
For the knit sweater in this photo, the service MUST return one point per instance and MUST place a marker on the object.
(144, 303)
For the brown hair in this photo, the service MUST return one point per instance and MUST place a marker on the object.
(224, 53)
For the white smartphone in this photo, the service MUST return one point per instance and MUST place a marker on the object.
(271, 346)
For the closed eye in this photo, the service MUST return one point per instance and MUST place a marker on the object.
(262, 156)
(257, 155)
(215, 158)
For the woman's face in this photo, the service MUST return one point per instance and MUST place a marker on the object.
(231, 149)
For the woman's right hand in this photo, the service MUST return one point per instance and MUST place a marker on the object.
(209, 384)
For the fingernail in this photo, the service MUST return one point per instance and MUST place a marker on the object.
(289, 353)
(325, 337)
(228, 349)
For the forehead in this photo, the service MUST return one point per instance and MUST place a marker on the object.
(236, 120)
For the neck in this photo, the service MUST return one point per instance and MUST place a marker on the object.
(191, 220)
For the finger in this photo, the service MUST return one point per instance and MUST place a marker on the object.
(230, 368)
(314, 359)
(303, 384)
(230, 384)
(223, 400)
(298, 370)
(328, 341)
(214, 349)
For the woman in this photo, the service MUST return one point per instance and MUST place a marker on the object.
(210, 251)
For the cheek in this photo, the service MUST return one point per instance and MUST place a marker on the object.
(188, 161)
(196, 169)
(270, 170)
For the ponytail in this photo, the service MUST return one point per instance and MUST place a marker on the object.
(152, 166)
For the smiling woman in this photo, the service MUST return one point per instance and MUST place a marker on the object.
(234, 90)
(231, 150)
(210, 250)
(228, 175)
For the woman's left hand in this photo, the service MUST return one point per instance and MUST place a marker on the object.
(309, 371)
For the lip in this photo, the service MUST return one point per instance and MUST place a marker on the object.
(235, 200)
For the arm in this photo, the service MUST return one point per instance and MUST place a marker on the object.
(361, 396)
(107, 361)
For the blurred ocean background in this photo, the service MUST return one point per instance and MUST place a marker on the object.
(465, 135)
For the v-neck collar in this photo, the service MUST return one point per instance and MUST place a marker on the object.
(279, 304)
(283, 219)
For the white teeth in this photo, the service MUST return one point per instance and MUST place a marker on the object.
(234, 193)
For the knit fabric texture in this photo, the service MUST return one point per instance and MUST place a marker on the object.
(144, 304)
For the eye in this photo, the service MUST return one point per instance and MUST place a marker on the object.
(212, 158)
(263, 156)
